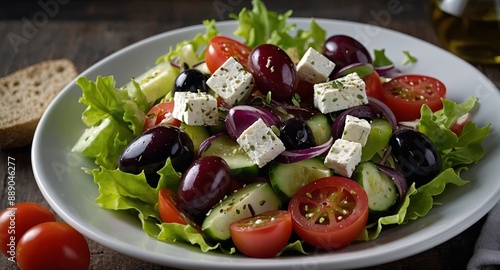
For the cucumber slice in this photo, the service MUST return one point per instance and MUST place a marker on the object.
(251, 200)
(321, 128)
(380, 188)
(240, 164)
(197, 134)
(380, 133)
(287, 179)
(157, 81)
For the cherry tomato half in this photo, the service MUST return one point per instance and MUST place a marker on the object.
(53, 245)
(16, 220)
(263, 235)
(161, 114)
(330, 212)
(167, 206)
(406, 94)
(221, 48)
(373, 85)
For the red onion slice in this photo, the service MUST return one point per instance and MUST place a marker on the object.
(360, 68)
(301, 154)
(389, 71)
(241, 117)
(362, 111)
(175, 62)
(206, 143)
(380, 107)
(398, 179)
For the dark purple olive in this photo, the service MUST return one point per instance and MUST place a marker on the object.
(273, 71)
(416, 156)
(296, 134)
(149, 151)
(345, 50)
(191, 80)
(204, 184)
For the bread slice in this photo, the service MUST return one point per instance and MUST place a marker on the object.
(24, 96)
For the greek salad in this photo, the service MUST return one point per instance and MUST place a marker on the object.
(276, 140)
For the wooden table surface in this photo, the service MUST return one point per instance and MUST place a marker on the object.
(87, 31)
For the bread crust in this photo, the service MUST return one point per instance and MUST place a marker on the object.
(24, 96)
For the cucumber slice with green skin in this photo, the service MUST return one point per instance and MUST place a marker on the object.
(380, 188)
(240, 164)
(380, 133)
(321, 128)
(198, 134)
(157, 81)
(253, 199)
(287, 179)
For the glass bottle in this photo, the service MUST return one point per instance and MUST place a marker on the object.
(469, 28)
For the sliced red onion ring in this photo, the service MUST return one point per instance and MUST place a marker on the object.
(206, 143)
(389, 71)
(241, 117)
(175, 62)
(301, 154)
(398, 179)
(198, 64)
(305, 112)
(361, 111)
(380, 107)
(360, 68)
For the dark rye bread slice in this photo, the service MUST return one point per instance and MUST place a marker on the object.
(24, 96)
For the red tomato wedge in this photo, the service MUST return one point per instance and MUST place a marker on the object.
(263, 235)
(406, 94)
(221, 48)
(167, 206)
(373, 85)
(161, 114)
(330, 212)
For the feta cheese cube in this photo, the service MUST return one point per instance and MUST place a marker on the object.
(196, 109)
(314, 67)
(340, 94)
(260, 143)
(356, 130)
(343, 157)
(231, 81)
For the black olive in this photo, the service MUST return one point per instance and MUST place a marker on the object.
(191, 80)
(416, 156)
(296, 134)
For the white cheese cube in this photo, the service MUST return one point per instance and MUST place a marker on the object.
(231, 81)
(314, 67)
(196, 109)
(356, 130)
(343, 157)
(340, 94)
(260, 143)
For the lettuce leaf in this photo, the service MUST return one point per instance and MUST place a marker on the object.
(124, 191)
(462, 150)
(259, 25)
(191, 51)
(114, 117)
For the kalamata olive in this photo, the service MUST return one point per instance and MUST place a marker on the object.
(416, 156)
(204, 184)
(191, 80)
(296, 134)
(344, 50)
(149, 151)
(273, 71)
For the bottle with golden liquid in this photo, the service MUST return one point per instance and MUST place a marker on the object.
(469, 28)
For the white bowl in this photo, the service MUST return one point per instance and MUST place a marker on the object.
(71, 192)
